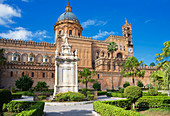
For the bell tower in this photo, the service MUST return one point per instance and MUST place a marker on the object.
(127, 32)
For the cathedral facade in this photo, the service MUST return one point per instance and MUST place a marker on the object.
(37, 59)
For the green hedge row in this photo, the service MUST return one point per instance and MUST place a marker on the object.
(126, 104)
(115, 95)
(101, 93)
(159, 94)
(110, 110)
(24, 108)
(153, 102)
(16, 96)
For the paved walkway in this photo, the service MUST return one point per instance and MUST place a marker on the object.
(69, 108)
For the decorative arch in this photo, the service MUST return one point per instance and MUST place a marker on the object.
(9, 56)
(39, 58)
(52, 59)
(24, 57)
(119, 55)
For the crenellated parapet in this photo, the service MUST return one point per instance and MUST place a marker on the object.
(147, 67)
(24, 42)
(26, 66)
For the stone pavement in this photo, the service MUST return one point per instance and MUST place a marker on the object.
(69, 108)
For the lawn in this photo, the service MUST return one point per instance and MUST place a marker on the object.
(156, 112)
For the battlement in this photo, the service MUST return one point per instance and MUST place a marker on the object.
(76, 37)
(24, 42)
(147, 67)
(114, 37)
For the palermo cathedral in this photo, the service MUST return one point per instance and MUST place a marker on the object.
(37, 59)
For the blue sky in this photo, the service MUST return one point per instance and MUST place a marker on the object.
(35, 19)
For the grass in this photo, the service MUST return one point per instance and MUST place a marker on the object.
(156, 112)
(26, 93)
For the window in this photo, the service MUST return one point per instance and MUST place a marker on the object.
(43, 75)
(128, 35)
(30, 59)
(78, 34)
(124, 48)
(52, 75)
(114, 67)
(119, 55)
(46, 60)
(22, 74)
(120, 47)
(11, 74)
(70, 32)
(98, 76)
(15, 58)
(129, 42)
(109, 66)
(59, 32)
(32, 74)
(128, 28)
(109, 55)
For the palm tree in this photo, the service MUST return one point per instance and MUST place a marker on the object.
(130, 69)
(112, 47)
(2, 58)
(86, 73)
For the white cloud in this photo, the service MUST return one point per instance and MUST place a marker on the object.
(93, 22)
(7, 12)
(102, 34)
(147, 21)
(24, 34)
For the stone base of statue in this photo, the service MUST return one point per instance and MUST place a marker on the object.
(66, 73)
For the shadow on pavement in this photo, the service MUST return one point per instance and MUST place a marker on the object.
(70, 113)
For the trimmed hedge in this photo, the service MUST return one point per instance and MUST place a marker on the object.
(69, 96)
(159, 94)
(16, 96)
(115, 95)
(101, 93)
(126, 104)
(110, 110)
(90, 97)
(153, 102)
(25, 108)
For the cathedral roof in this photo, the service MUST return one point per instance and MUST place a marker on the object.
(68, 15)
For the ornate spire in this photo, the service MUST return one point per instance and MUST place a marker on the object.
(68, 8)
(126, 21)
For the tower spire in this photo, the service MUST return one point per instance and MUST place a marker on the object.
(126, 21)
(68, 8)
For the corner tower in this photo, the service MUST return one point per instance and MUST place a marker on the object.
(69, 23)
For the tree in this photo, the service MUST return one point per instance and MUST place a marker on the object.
(152, 64)
(130, 69)
(41, 85)
(133, 93)
(112, 47)
(162, 58)
(126, 84)
(86, 73)
(97, 86)
(140, 84)
(6, 97)
(24, 83)
(2, 57)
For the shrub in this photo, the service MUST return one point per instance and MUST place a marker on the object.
(126, 84)
(111, 110)
(76, 96)
(133, 93)
(5, 97)
(140, 84)
(24, 83)
(149, 86)
(153, 102)
(90, 97)
(152, 92)
(121, 90)
(41, 97)
(97, 86)
(69, 96)
(41, 86)
(12, 90)
(88, 92)
(115, 95)
(101, 93)
(16, 96)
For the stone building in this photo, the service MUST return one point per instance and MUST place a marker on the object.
(36, 59)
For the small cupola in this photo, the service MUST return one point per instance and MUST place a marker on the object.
(68, 8)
